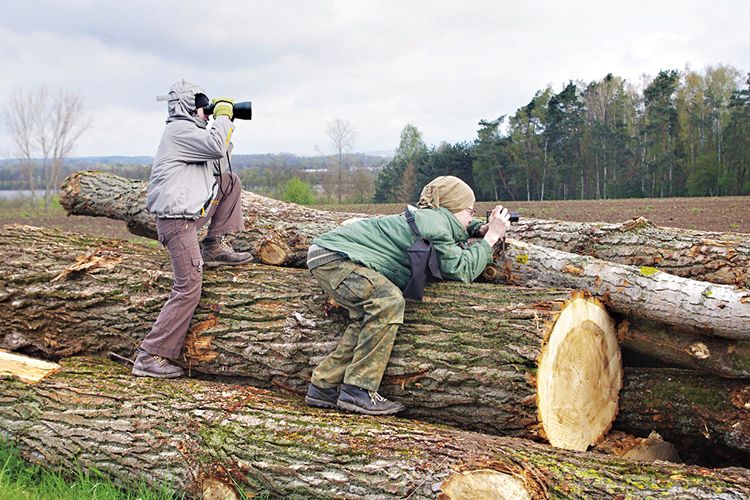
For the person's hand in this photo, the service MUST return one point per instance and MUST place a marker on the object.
(497, 224)
(223, 106)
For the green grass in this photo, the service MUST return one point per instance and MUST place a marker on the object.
(20, 480)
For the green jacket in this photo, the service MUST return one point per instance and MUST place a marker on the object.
(380, 243)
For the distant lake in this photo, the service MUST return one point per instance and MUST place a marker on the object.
(12, 193)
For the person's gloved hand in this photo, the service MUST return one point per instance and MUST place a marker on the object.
(223, 106)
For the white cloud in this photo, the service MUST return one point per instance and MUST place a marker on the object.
(439, 65)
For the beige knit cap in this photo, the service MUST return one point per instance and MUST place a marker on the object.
(448, 192)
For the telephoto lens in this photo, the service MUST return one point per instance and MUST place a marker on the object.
(241, 110)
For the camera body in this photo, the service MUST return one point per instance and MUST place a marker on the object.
(514, 216)
(242, 110)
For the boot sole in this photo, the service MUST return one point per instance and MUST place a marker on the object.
(141, 373)
(343, 405)
(215, 263)
(319, 403)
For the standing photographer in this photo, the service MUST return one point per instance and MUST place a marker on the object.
(190, 184)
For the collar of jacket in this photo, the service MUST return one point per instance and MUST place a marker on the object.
(457, 230)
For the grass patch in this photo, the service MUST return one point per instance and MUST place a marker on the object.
(20, 480)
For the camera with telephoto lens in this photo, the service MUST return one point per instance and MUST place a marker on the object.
(514, 216)
(242, 110)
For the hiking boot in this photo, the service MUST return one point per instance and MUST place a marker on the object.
(321, 398)
(353, 398)
(220, 253)
(151, 365)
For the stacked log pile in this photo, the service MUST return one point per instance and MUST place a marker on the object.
(532, 354)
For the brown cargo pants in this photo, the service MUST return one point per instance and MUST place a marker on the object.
(376, 308)
(180, 236)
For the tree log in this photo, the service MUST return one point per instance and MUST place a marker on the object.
(467, 355)
(699, 415)
(642, 292)
(722, 357)
(279, 233)
(722, 258)
(195, 434)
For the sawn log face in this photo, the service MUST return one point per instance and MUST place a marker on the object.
(188, 432)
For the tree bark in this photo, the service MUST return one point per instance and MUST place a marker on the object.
(286, 230)
(195, 434)
(467, 356)
(721, 357)
(704, 417)
(716, 257)
(644, 293)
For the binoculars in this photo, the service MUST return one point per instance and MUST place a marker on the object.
(242, 110)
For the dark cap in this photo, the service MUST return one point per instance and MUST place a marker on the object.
(201, 101)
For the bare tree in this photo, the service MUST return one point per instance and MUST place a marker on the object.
(342, 135)
(45, 126)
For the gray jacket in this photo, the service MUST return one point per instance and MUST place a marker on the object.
(189, 156)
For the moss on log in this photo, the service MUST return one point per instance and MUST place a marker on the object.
(192, 434)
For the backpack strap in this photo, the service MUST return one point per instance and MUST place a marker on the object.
(410, 219)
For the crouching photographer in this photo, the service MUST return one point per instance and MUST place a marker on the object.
(191, 184)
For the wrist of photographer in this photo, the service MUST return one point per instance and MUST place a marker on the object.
(223, 106)
(497, 224)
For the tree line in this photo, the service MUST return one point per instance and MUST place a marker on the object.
(677, 134)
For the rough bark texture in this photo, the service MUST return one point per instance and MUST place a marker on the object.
(645, 292)
(700, 415)
(276, 229)
(722, 258)
(188, 433)
(722, 357)
(467, 356)
(279, 233)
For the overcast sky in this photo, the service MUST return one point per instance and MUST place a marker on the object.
(440, 65)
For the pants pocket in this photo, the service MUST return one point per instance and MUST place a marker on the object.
(197, 263)
(355, 288)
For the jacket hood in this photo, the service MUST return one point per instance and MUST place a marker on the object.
(181, 102)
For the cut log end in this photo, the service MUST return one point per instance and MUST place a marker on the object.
(27, 369)
(579, 376)
(484, 483)
(273, 251)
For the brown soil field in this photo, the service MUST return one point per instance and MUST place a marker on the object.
(705, 214)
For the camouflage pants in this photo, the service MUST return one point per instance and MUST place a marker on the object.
(376, 308)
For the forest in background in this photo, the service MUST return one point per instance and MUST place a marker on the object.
(681, 133)
(677, 134)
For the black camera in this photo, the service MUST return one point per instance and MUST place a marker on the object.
(242, 110)
(514, 216)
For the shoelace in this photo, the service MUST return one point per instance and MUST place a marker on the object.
(161, 360)
(224, 243)
(375, 398)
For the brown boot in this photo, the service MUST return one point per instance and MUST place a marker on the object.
(220, 253)
(151, 365)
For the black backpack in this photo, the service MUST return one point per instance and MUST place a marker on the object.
(422, 261)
